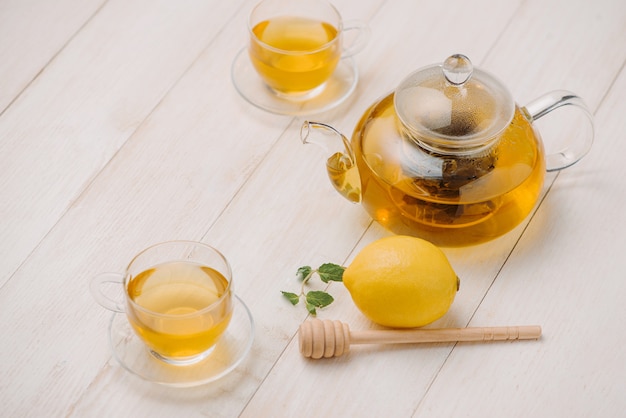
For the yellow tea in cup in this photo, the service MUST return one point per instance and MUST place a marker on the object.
(296, 45)
(293, 54)
(179, 308)
(177, 298)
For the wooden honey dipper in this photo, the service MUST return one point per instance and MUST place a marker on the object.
(328, 338)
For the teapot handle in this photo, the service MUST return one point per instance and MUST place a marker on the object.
(575, 151)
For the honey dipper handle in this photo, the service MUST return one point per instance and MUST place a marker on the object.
(527, 332)
(328, 338)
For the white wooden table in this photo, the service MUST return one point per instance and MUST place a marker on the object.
(120, 127)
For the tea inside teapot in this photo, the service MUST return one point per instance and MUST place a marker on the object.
(448, 157)
(448, 199)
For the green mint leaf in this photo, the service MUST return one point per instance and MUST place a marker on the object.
(304, 272)
(310, 308)
(330, 271)
(291, 297)
(319, 298)
(315, 299)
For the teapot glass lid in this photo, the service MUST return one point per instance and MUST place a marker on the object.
(453, 106)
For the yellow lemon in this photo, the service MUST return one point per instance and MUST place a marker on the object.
(401, 282)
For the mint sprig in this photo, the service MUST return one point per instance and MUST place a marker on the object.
(314, 299)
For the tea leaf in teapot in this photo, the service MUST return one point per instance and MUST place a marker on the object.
(455, 174)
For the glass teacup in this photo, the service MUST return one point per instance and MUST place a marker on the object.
(177, 298)
(296, 45)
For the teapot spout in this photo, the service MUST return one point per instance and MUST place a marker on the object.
(341, 165)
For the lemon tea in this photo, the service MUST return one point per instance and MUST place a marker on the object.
(294, 55)
(179, 308)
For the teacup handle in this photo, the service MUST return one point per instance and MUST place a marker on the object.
(575, 151)
(361, 38)
(96, 286)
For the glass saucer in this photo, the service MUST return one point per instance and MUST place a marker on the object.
(249, 84)
(227, 353)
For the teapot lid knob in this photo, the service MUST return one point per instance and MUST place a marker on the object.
(457, 69)
(453, 107)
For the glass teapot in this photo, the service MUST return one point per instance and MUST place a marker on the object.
(448, 156)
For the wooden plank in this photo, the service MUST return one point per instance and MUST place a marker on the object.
(61, 131)
(98, 233)
(32, 32)
(171, 179)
